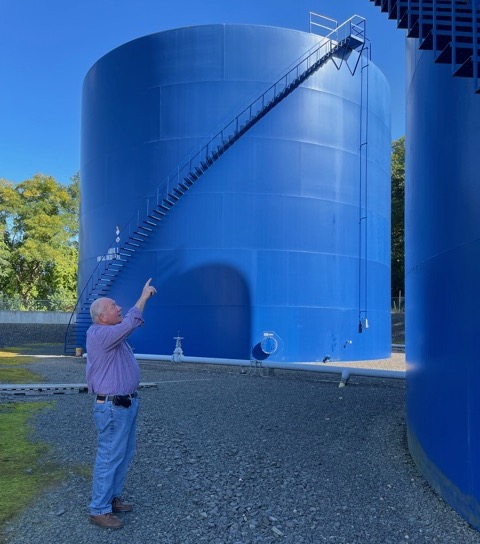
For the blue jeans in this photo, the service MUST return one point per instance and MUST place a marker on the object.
(116, 428)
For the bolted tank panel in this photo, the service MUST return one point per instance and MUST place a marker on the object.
(288, 233)
(442, 271)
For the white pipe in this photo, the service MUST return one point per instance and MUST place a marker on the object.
(345, 372)
(183, 359)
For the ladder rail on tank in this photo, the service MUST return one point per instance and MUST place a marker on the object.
(363, 211)
(336, 45)
(448, 28)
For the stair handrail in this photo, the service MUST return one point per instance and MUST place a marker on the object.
(96, 273)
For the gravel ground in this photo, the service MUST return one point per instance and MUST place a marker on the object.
(231, 458)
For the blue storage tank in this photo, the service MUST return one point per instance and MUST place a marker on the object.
(285, 237)
(442, 274)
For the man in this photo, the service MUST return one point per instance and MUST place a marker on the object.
(113, 376)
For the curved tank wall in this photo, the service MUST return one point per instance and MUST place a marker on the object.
(442, 274)
(281, 234)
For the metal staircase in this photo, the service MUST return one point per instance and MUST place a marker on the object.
(449, 28)
(336, 45)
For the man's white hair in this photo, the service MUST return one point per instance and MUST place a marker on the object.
(96, 308)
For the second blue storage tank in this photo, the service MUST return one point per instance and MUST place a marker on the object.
(442, 271)
(287, 233)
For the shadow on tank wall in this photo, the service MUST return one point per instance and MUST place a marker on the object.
(212, 297)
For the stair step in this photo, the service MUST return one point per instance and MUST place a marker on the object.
(192, 176)
(157, 212)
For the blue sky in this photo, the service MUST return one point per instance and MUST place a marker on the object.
(48, 46)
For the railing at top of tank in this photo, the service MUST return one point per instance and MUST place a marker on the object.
(318, 21)
(355, 25)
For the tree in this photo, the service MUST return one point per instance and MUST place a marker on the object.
(398, 212)
(39, 246)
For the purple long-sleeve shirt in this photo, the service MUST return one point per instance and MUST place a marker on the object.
(111, 367)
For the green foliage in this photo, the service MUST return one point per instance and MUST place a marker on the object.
(39, 244)
(398, 213)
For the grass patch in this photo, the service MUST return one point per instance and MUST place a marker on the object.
(12, 371)
(22, 473)
(18, 375)
(11, 352)
(34, 349)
